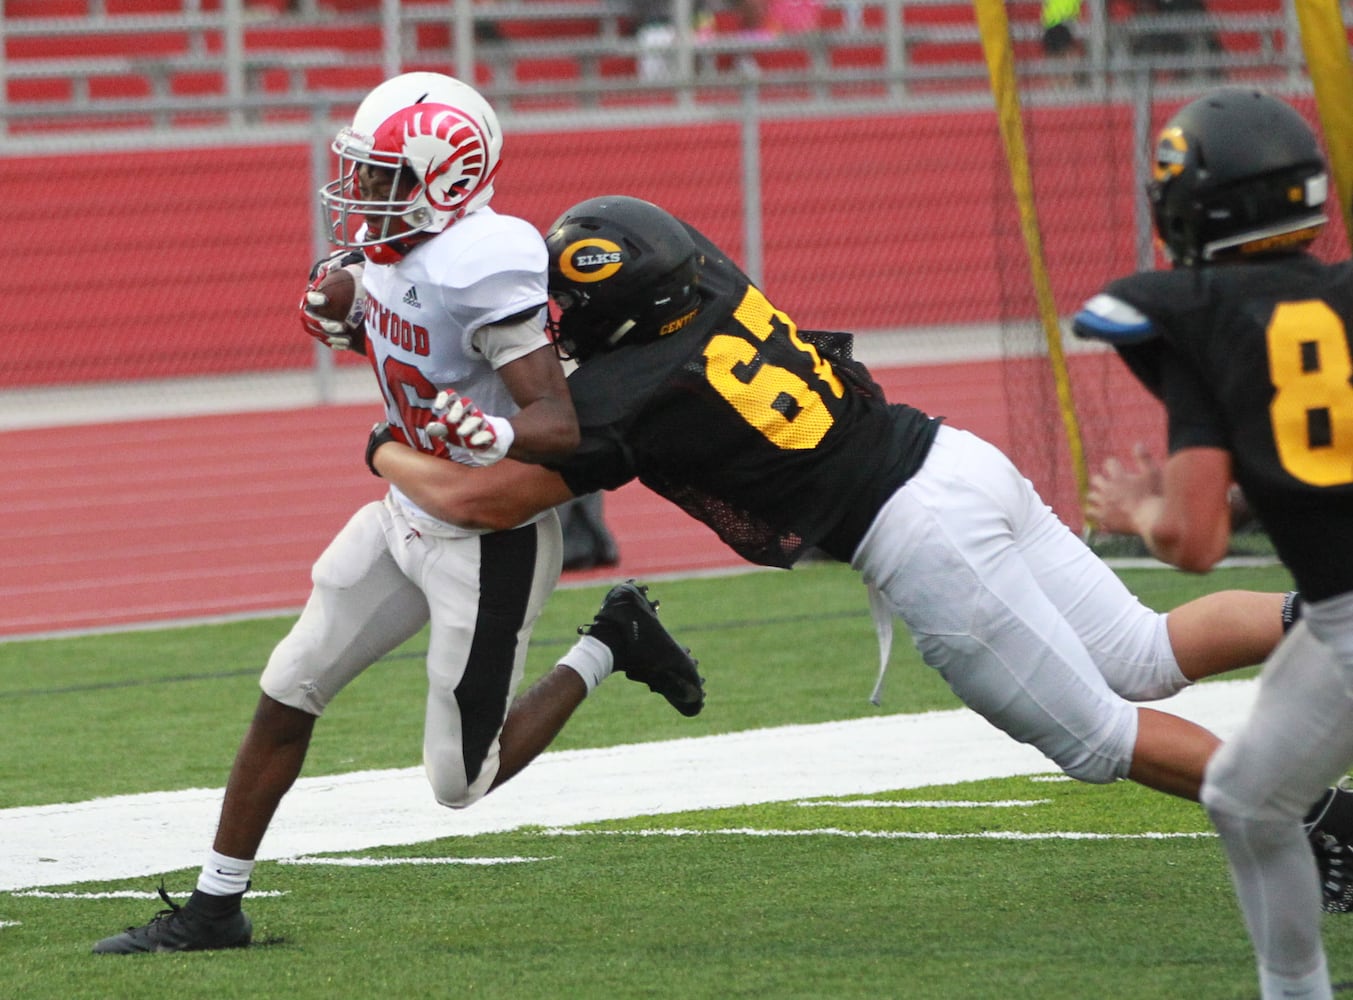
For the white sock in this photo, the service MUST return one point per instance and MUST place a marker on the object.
(223, 876)
(591, 660)
(1312, 986)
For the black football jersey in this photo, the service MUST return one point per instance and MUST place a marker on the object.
(1256, 358)
(771, 435)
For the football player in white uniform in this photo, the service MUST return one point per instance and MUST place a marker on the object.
(453, 314)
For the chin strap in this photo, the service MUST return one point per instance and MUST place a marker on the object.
(396, 250)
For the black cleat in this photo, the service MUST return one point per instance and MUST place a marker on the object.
(1334, 859)
(1329, 828)
(643, 650)
(180, 928)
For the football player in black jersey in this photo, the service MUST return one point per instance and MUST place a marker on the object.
(1246, 341)
(691, 381)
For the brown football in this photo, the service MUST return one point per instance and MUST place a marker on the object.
(339, 287)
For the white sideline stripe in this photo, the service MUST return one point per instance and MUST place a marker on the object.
(130, 836)
(390, 862)
(10, 923)
(925, 804)
(116, 894)
(831, 831)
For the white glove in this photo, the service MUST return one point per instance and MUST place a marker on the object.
(457, 420)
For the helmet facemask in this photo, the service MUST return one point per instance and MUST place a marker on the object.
(434, 139)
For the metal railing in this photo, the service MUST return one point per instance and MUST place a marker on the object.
(140, 89)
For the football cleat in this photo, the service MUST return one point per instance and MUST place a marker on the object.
(180, 928)
(645, 651)
(1329, 828)
(1334, 860)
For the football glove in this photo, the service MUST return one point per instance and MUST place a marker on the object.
(458, 421)
(348, 333)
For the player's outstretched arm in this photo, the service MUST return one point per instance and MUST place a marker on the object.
(492, 497)
(1181, 510)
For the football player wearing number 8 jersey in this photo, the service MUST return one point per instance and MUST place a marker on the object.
(1246, 341)
(692, 381)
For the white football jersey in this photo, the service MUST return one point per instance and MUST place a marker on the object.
(429, 321)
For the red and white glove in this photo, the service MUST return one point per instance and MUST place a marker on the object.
(457, 421)
(341, 333)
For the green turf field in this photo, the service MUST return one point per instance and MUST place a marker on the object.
(978, 890)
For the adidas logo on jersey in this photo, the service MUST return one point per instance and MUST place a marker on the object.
(411, 298)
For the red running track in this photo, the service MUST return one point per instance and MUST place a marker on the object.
(172, 519)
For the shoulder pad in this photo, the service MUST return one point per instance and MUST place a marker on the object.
(1107, 318)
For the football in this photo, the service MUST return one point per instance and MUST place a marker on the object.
(339, 288)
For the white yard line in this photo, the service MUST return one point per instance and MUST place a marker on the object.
(139, 835)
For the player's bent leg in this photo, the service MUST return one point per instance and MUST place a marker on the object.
(943, 552)
(485, 594)
(1225, 631)
(1170, 753)
(535, 719)
(1143, 654)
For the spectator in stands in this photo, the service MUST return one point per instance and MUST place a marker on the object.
(656, 34)
(1058, 16)
(752, 19)
(1175, 43)
(768, 18)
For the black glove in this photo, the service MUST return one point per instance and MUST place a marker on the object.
(380, 434)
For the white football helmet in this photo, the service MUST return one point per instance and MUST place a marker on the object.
(441, 143)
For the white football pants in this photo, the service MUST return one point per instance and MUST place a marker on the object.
(384, 577)
(1026, 624)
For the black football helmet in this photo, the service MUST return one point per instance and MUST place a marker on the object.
(1236, 173)
(622, 270)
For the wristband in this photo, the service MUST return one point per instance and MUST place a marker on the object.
(504, 435)
(380, 434)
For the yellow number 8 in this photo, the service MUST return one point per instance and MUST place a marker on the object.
(1312, 409)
